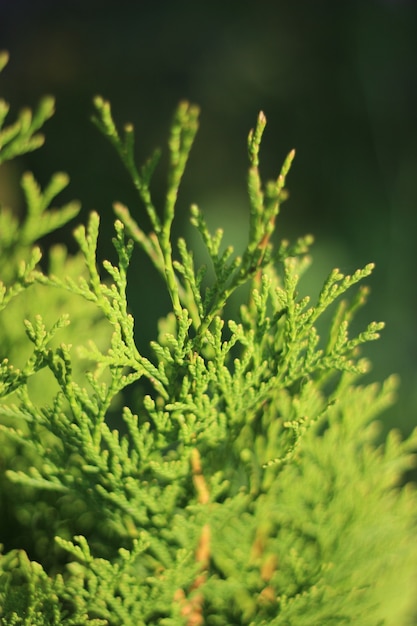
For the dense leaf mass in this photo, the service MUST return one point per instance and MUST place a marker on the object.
(246, 481)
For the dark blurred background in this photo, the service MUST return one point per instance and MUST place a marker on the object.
(336, 80)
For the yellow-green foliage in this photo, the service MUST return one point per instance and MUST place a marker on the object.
(247, 482)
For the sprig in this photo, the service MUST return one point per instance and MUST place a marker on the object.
(22, 136)
(158, 246)
(41, 219)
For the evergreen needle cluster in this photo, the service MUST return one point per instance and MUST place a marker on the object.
(246, 481)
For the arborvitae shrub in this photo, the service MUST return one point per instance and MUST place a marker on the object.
(248, 483)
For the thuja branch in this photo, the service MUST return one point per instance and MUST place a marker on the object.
(124, 359)
(22, 136)
(182, 137)
(265, 201)
(230, 273)
(158, 245)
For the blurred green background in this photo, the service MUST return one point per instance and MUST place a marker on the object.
(336, 80)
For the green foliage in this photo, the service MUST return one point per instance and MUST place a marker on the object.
(246, 482)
